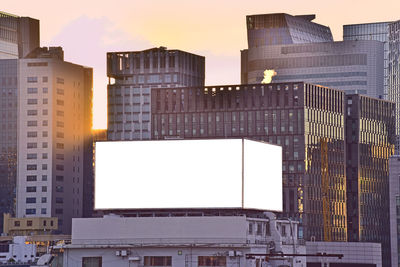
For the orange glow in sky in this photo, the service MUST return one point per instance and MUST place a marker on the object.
(215, 29)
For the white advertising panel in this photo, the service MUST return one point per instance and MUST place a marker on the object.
(187, 174)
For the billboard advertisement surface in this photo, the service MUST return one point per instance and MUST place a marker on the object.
(187, 174)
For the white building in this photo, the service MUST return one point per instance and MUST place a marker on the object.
(19, 252)
(182, 241)
(54, 120)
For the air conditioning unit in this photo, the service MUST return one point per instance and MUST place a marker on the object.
(134, 258)
(117, 253)
(231, 253)
(124, 253)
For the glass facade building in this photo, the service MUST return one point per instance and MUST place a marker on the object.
(370, 142)
(306, 120)
(279, 29)
(131, 77)
(378, 31)
(394, 73)
(18, 36)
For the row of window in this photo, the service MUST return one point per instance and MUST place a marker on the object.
(32, 189)
(34, 167)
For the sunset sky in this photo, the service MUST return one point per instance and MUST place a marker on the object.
(213, 28)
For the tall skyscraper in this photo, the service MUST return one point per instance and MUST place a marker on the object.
(308, 121)
(394, 197)
(54, 123)
(378, 31)
(394, 73)
(370, 140)
(18, 37)
(310, 55)
(131, 77)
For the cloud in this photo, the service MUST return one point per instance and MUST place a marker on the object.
(86, 41)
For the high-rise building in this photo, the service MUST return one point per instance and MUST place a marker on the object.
(370, 140)
(131, 77)
(394, 197)
(306, 120)
(394, 73)
(378, 31)
(298, 49)
(18, 37)
(335, 148)
(353, 66)
(281, 29)
(54, 138)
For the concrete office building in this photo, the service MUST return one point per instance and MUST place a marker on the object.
(182, 241)
(131, 77)
(394, 197)
(352, 66)
(54, 124)
(370, 139)
(18, 37)
(378, 31)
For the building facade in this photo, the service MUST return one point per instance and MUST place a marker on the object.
(183, 241)
(394, 72)
(54, 107)
(281, 29)
(394, 197)
(306, 120)
(131, 77)
(378, 31)
(352, 66)
(370, 135)
(18, 36)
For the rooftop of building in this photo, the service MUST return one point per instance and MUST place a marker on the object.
(154, 49)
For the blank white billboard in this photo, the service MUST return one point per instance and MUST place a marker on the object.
(188, 174)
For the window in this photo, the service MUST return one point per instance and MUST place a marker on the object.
(60, 156)
(60, 124)
(59, 178)
(45, 79)
(32, 134)
(157, 261)
(29, 223)
(44, 199)
(44, 134)
(44, 177)
(59, 200)
(31, 178)
(30, 211)
(60, 145)
(45, 112)
(59, 167)
(32, 145)
(32, 112)
(31, 189)
(60, 91)
(32, 79)
(60, 135)
(211, 261)
(31, 167)
(59, 211)
(91, 262)
(30, 200)
(45, 101)
(17, 223)
(60, 80)
(44, 155)
(45, 90)
(45, 123)
(60, 102)
(43, 211)
(44, 166)
(31, 156)
(32, 101)
(44, 145)
(32, 90)
(32, 123)
(60, 113)
(59, 189)
(44, 188)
